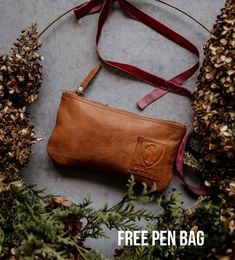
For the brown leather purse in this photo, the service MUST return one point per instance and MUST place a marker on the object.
(91, 135)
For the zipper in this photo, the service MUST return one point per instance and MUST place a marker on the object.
(74, 95)
(79, 93)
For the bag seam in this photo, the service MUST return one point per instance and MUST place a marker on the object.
(127, 114)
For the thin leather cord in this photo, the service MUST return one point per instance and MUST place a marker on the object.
(160, 1)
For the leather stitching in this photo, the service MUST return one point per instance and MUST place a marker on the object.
(127, 114)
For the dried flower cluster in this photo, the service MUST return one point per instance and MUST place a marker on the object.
(223, 182)
(228, 204)
(214, 114)
(214, 100)
(16, 137)
(21, 70)
(20, 80)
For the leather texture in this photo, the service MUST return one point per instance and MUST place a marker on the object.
(91, 135)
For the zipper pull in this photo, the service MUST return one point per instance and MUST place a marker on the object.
(83, 86)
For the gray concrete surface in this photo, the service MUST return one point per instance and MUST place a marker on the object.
(69, 51)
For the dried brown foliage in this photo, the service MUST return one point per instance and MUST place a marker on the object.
(214, 114)
(214, 100)
(21, 69)
(228, 204)
(16, 137)
(20, 80)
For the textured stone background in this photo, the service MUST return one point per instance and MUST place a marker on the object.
(69, 51)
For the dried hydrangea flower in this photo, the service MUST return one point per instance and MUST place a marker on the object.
(16, 137)
(227, 196)
(21, 70)
(213, 140)
(214, 100)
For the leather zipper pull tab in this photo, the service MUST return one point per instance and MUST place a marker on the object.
(83, 86)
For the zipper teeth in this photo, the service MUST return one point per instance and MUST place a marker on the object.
(170, 123)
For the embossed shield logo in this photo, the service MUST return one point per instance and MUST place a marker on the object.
(149, 158)
(151, 153)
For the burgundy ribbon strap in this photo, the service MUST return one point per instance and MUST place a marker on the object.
(173, 85)
(180, 165)
(162, 86)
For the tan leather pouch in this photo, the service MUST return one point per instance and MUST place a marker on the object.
(91, 135)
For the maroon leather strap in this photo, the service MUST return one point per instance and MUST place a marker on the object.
(105, 7)
(180, 165)
(162, 85)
